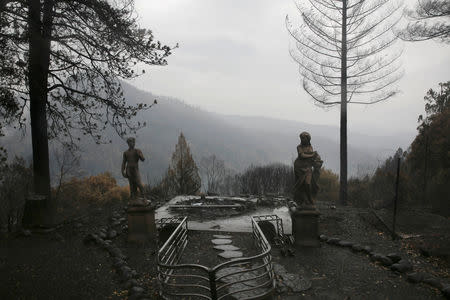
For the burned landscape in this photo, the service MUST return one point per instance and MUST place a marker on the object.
(201, 149)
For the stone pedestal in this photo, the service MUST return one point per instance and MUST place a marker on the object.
(35, 211)
(141, 223)
(305, 228)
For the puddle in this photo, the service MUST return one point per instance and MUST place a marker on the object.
(241, 223)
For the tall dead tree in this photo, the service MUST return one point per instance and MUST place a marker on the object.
(430, 19)
(347, 53)
(213, 168)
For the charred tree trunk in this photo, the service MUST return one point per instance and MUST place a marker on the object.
(39, 58)
(343, 129)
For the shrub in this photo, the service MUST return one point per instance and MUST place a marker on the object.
(77, 194)
(328, 186)
(15, 184)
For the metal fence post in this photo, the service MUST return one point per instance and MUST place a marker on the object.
(212, 283)
(396, 199)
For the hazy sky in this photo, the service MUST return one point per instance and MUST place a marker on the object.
(234, 59)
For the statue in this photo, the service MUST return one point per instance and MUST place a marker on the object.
(307, 171)
(130, 170)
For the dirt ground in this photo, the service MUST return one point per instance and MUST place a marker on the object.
(58, 265)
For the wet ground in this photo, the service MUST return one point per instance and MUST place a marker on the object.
(226, 223)
(60, 266)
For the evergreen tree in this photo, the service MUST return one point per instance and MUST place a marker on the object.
(182, 175)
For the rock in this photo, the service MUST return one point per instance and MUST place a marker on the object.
(296, 283)
(333, 241)
(125, 277)
(230, 254)
(130, 283)
(402, 266)
(226, 247)
(78, 225)
(25, 232)
(415, 277)
(374, 256)
(221, 241)
(59, 237)
(135, 297)
(384, 260)
(117, 253)
(281, 288)
(367, 249)
(118, 262)
(90, 239)
(357, 248)
(433, 281)
(446, 291)
(323, 237)
(125, 269)
(345, 244)
(219, 236)
(116, 223)
(290, 282)
(112, 234)
(134, 273)
(102, 235)
(394, 257)
(135, 290)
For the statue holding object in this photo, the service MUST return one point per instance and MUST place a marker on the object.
(307, 171)
(130, 170)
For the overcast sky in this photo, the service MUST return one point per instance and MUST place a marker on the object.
(234, 59)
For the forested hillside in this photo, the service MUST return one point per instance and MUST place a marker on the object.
(239, 141)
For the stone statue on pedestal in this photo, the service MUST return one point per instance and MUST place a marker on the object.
(307, 171)
(141, 214)
(304, 215)
(130, 170)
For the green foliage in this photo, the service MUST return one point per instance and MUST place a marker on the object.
(15, 184)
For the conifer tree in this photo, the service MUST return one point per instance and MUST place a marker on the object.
(182, 175)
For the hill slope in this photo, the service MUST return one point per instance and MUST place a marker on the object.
(239, 141)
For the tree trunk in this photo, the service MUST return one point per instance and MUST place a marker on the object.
(39, 58)
(343, 129)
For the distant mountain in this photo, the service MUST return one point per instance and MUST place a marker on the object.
(239, 141)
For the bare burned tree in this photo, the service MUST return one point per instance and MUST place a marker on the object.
(67, 164)
(63, 62)
(347, 53)
(429, 20)
(214, 170)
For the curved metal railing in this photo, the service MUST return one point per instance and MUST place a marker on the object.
(242, 278)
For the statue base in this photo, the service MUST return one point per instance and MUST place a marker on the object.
(141, 222)
(35, 211)
(305, 227)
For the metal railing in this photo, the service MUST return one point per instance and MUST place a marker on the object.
(241, 278)
(273, 219)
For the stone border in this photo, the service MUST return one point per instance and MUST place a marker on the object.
(104, 239)
(394, 261)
